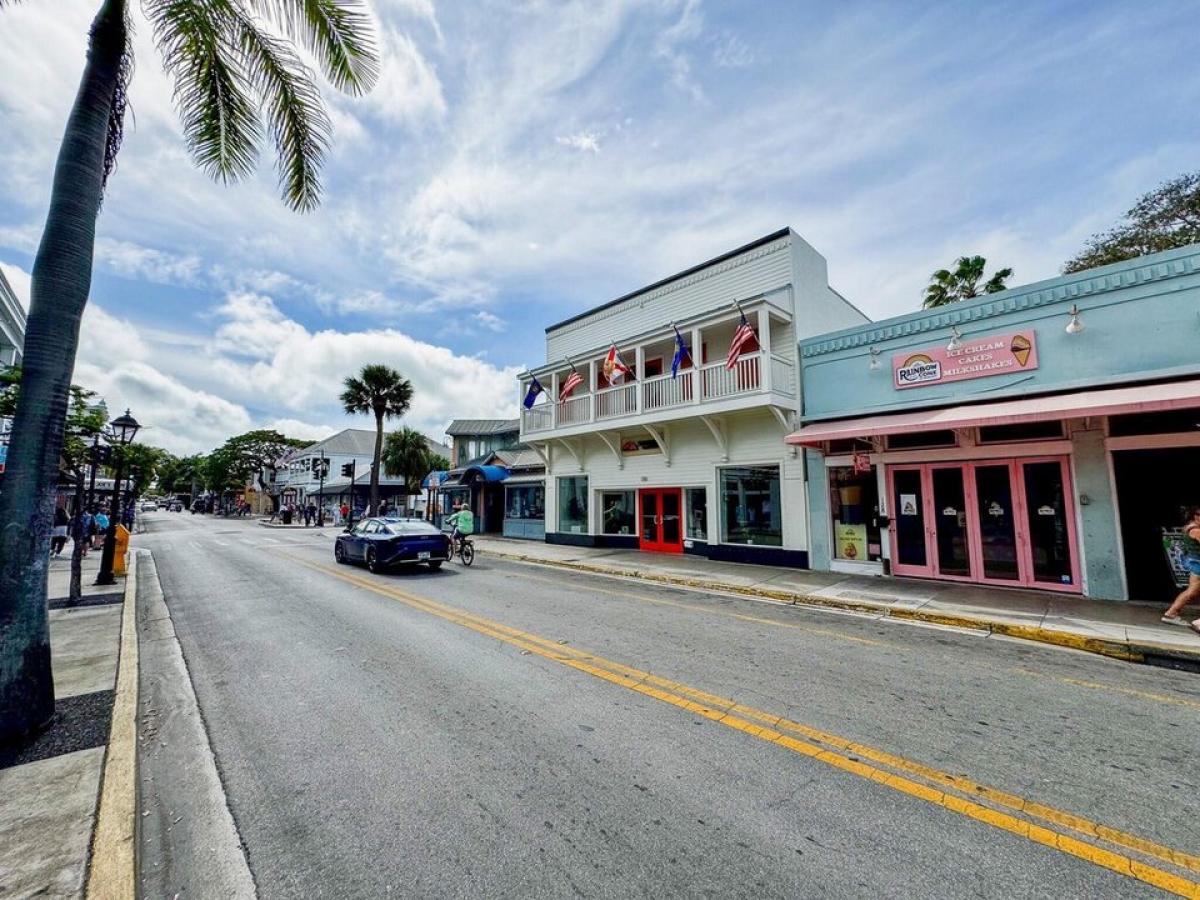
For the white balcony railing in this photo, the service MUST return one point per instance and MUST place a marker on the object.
(575, 410)
(783, 377)
(744, 378)
(539, 418)
(664, 392)
(617, 401)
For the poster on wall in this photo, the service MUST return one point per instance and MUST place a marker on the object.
(997, 354)
(908, 504)
(852, 542)
(1174, 546)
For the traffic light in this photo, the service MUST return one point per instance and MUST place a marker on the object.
(348, 470)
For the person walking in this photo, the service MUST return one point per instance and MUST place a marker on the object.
(344, 511)
(310, 513)
(1191, 561)
(101, 529)
(58, 534)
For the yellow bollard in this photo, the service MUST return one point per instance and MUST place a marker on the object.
(122, 547)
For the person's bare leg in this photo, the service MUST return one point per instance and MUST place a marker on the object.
(1186, 596)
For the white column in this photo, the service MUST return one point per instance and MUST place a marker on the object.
(764, 342)
(639, 363)
(592, 386)
(697, 349)
(554, 400)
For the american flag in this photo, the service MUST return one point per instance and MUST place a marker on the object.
(741, 338)
(573, 381)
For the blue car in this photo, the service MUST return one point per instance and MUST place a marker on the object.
(383, 543)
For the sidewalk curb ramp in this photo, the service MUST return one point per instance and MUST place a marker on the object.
(1128, 651)
(112, 870)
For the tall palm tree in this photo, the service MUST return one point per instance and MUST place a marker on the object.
(948, 287)
(406, 453)
(385, 393)
(237, 77)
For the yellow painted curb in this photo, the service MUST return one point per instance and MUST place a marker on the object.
(1114, 649)
(113, 874)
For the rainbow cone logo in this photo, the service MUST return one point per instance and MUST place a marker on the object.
(1020, 347)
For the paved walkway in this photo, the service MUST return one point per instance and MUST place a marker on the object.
(1124, 630)
(49, 789)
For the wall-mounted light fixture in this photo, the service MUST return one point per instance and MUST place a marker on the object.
(955, 340)
(874, 365)
(1075, 325)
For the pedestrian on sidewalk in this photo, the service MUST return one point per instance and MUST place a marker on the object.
(1191, 561)
(58, 534)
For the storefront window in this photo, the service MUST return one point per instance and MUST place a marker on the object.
(525, 501)
(618, 512)
(697, 514)
(572, 505)
(750, 506)
(854, 511)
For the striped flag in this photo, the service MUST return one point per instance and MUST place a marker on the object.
(614, 368)
(573, 381)
(741, 339)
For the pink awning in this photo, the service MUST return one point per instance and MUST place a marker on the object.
(1077, 405)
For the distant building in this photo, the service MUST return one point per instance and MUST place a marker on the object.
(473, 438)
(12, 340)
(297, 475)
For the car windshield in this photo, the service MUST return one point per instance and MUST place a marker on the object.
(409, 527)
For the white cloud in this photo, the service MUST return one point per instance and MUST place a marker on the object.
(145, 263)
(586, 141)
(408, 89)
(305, 431)
(731, 52)
(489, 321)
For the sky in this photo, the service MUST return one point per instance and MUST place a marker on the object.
(520, 162)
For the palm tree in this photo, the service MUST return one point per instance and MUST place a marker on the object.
(406, 453)
(385, 393)
(948, 287)
(237, 76)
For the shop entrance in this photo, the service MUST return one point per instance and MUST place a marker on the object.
(1153, 487)
(660, 513)
(1008, 522)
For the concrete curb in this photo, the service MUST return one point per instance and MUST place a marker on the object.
(1128, 651)
(113, 868)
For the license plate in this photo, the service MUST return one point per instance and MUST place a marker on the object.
(424, 554)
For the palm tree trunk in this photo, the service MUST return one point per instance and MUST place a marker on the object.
(62, 275)
(375, 467)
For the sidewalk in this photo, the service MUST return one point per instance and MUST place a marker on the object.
(1128, 631)
(50, 787)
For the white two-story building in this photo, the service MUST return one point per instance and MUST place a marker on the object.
(693, 461)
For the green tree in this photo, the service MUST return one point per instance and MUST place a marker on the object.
(1167, 217)
(406, 454)
(384, 393)
(438, 463)
(946, 286)
(237, 76)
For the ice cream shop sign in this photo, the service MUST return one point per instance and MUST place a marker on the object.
(995, 354)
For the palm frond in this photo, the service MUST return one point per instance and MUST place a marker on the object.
(339, 33)
(213, 93)
(295, 115)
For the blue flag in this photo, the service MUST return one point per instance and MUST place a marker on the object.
(681, 353)
(535, 388)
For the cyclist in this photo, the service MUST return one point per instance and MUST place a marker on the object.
(462, 524)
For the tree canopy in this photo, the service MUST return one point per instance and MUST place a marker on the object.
(1165, 218)
(946, 286)
(406, 453)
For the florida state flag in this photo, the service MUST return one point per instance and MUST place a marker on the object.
(614, 368)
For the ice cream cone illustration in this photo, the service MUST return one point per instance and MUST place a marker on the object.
(1020, 348)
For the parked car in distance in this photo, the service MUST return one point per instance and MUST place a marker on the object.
(384, 543)
(149, 506)
(176, 506)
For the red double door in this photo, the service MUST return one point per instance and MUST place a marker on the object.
(660, 512)
(997, 522)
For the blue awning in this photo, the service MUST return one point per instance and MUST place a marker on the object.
(489, 473)
(441, 479)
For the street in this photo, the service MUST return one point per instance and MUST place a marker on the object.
(515, 731)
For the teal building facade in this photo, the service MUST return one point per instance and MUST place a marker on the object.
(1044, 437)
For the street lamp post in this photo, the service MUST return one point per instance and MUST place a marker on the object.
(123, 429)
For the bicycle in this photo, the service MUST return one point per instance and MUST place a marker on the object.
(466, 550)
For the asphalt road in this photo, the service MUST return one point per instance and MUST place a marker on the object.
(516, 731)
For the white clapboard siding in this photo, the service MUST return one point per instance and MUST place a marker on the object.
(749, 275)
(754, 438)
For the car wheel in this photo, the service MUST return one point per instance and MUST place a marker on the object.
(373, 560)
(339, 553)
(435, 564)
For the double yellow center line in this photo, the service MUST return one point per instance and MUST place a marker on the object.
(1041, 824)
